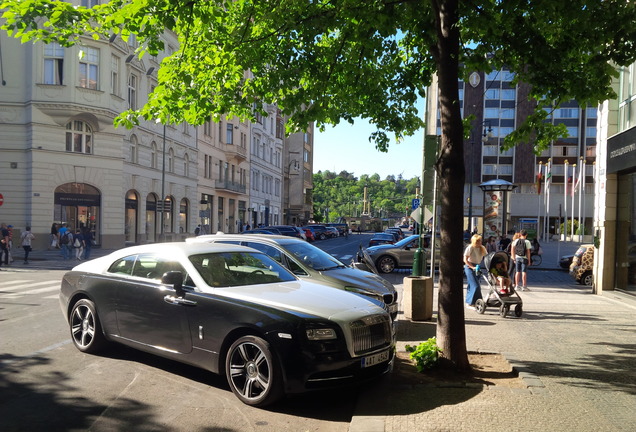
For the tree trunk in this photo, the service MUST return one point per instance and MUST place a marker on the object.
(451, 332)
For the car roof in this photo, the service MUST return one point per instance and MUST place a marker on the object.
(265, 238)
(185, 248)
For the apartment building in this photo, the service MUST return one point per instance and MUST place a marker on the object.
(498, 106)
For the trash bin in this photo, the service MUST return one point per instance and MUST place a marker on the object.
(418, 298)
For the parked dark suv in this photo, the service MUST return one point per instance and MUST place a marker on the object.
(288, 230)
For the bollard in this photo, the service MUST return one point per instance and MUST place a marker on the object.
(418, 298)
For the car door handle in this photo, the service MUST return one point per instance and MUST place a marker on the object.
(179, 301)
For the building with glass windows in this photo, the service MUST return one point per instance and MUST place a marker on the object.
(498, 106)
(615, 208)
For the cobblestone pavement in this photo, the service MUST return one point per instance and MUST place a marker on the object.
(576, 352)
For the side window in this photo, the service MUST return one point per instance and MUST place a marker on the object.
(267, 250)
(123, 266)
(153, 267)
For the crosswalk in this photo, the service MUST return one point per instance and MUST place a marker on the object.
(21, 288)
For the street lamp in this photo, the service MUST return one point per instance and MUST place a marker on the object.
(486, 135)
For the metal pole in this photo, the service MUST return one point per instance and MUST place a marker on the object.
(163, 184)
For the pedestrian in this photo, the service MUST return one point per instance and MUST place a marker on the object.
(26, 238)
(521, 248)
(4, 244)
(491, 246)
(197, 230)
(54, 240)
(536, 247)
(10, 247)
(65, 237)
(88, 242)
(78, 244)
(473, 255)
(504, 244)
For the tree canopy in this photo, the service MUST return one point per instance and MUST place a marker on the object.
(333, 60)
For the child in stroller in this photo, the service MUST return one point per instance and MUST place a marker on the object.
(499, 270)
(501, 294)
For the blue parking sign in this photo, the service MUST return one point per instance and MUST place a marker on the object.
(415, 204)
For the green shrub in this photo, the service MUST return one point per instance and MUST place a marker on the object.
(425, 354)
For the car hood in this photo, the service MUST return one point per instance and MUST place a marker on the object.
(347, 276)
(306, 298)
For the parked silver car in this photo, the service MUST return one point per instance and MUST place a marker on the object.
(388, 257)
(311, 263)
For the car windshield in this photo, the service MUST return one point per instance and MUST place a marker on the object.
(313, 257)
(239, 268)
(405, 241)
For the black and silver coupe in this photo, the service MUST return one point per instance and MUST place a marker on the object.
(231, 310)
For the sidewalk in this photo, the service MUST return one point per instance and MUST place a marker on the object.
(575, 351)
(49, 259)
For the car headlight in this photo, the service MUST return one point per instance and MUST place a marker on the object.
(321, 334)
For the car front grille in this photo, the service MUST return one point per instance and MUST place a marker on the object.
(370, 333)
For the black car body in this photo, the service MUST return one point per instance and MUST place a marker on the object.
(230, 310)
(287, 230)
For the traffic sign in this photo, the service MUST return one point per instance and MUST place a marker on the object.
(1, 199)
(415, 203)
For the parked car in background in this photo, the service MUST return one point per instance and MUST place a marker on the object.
(320, 231)
(309, 234)
(311, 263)
(287, 230)
(583, 264)
(388, 257)
(398, 231)
(261, 231)
(230, 310)
(396, 236)
(333, 232)
(381, 238)
(566, 261)
(342, 228)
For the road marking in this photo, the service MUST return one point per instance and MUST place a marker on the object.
(8, 283)
(32, 292)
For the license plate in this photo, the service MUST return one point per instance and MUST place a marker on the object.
(375, 359)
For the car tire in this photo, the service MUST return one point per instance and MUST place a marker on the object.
(252, 372)
(386, 264)
(587, 278)
(86, 330)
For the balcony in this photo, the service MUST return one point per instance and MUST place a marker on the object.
(235, 152)
(230, 186)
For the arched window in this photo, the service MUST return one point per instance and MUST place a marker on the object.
(134, 150)
(79, 137)
(153, 155)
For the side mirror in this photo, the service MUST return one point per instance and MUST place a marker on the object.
(174, 278)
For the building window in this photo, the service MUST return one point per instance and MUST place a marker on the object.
(171, 160)
(114, 75)
(79, 137)
(207, 127)
(134, 150)
(53, 64)
(89, 68)
(229, 138)
(153, 155)
(132, 91)
(508, 94)
(90, 3)
(186, 165)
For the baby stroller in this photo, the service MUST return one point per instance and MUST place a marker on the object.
(494, 297)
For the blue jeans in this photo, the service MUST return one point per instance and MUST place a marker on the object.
(66, 252)
(473, 292)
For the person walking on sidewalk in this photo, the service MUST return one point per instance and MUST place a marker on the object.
(26, 238)
(88, 242)
(473, 255)
(4, 244)
(65, 241)
(78, 244)
(521, 248)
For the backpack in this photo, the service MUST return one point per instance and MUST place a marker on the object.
(520, 248)
(65, 238)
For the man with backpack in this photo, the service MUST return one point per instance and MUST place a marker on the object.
(521, 248)
(65, 241)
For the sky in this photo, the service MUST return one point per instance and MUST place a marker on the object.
(346, 147)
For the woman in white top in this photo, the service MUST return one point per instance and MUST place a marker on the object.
(26, 238)
(473, 255)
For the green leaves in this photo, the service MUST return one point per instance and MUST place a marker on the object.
(425, 354)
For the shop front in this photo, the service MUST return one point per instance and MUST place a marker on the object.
(621, 161)
(78, 205)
